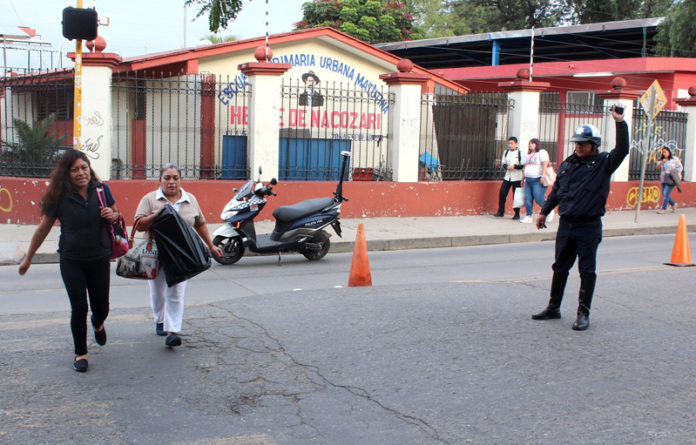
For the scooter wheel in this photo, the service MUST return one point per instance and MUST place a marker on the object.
(322, 239)
(232, 249)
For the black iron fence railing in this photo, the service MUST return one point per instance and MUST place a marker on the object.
(558, 121)
(36, 112)
(317, 123)
(198, 122)
(669, 129)
(462, 136)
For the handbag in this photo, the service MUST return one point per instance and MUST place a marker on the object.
(518, 198)
(117, 230)
(549, 177)
(140, 262)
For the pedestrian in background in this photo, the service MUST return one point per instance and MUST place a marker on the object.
(512, 163)
(84, 245)
(580, 192)
(535, 164)
(168, 302)
(668, 166)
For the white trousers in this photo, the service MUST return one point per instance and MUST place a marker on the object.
(167, 302)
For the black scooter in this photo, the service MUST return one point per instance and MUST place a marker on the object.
(299, 227)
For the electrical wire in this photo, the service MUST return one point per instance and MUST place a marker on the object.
(16, 13)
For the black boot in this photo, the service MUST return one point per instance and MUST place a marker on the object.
(553, 310)
(517, 213)
(587, 285)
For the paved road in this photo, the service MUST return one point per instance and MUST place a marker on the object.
(453, 361)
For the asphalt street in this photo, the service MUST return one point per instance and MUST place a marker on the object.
(453, 360)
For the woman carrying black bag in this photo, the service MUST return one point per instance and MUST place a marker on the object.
(168, 302)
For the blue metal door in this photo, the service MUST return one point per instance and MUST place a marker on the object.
(234, 157)
(310, 159)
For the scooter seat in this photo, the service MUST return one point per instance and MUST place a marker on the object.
(302, 208)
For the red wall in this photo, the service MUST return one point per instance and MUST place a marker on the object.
(19, 197)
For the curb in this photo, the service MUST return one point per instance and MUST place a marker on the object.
(447, 241)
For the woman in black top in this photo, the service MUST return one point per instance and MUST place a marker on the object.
(84, 245)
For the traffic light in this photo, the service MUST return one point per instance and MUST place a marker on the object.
(79, 23)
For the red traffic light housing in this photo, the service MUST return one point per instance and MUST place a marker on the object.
(79, 23)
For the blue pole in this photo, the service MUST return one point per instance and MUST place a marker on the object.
(495, 53)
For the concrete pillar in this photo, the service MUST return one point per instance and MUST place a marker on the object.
(690, 148)
(264, 112)
(523, 119)
(96, 120)
(625, 98)
(404, 121)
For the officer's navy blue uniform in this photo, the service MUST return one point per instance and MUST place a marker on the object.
(580, 192)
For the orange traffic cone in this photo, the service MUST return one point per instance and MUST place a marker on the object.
(360, 267)
(680, 253)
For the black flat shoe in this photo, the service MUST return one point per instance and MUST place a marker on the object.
(99, 336)
(80, 365)
(172, 340)
(159, 329)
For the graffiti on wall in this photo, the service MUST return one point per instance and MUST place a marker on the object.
(650, 194)
(5, 200)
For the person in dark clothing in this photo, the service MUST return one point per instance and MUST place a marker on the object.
(84, 245)
(311, 97)
(512, 163)
(580, 192)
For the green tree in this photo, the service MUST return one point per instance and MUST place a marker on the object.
(220, 12)
(35, 147)
(435, 17)
(214, 38)
(676, 37)
(593, 11)
(369, 20)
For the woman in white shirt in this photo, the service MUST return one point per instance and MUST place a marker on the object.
(666, 165)
(535, 163)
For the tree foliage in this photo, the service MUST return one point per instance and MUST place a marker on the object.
(220, 12)
(35, 147)
(369, 20)
(458, 17)
(676, 37)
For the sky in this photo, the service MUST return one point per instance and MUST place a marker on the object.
(139, 27)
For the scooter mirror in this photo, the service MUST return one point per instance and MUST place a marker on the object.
(345, 153)
(260, 170)
(274, 181)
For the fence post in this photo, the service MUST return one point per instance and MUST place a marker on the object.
(523, 121)
(622, 97)
(96, 120)
(264, 111)
(404, 120)
(690, 144)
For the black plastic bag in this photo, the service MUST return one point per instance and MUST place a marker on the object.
(181, 251)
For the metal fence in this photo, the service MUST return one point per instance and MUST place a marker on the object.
(558, 120)
(198, 122)
(462, 136)
(36, 112)
(669, 130)
(317, 123)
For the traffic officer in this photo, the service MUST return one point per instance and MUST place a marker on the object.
(580, 192)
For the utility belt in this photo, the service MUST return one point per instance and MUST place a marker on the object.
(580, 219)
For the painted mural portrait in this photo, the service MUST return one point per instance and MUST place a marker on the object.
(310, 97)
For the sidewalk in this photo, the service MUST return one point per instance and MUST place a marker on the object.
(396, 233)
